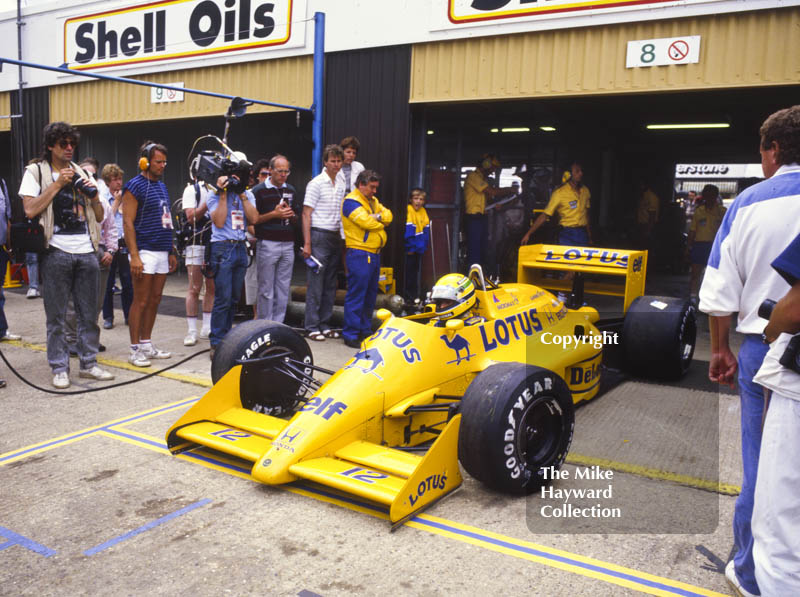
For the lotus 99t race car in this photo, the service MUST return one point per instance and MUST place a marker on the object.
(488, 377)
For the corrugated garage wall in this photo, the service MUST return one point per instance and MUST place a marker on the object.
(736, 50)
(366, 95)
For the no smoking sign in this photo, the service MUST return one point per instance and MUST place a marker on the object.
(661, 52)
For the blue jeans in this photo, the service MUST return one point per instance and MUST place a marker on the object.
(363, 269)
(32, 265)
(70, 275)
(751, 355)
(576, 236)
(229, 264)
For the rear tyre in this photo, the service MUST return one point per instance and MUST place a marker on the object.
(658, 337)
(262, 388)
(516, 421)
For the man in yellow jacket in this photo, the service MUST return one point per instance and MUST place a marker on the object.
(364, 221)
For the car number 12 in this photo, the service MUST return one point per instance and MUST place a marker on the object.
(364, 475)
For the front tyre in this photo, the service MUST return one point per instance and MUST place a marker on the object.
(264, 388)
(517, 421)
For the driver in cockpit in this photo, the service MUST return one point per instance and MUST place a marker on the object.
(453, 297)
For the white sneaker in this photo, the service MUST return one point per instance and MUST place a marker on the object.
(138, 359)
(733, 581)
(10, 336)
(61, 380)
(190, 339)
(96, 373)
(205, 333)
(33, 293)
(151, 352)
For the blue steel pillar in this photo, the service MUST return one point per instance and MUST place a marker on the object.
(319, 82)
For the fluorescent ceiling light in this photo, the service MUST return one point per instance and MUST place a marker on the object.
(709, 125)
(516, 129)
(495, 130)
(547, 129)
(430, 131)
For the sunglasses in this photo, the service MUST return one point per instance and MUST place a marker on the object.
(62, 143)
(264, 173)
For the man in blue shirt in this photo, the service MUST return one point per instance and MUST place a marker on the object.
(232, 209)
(147, 222)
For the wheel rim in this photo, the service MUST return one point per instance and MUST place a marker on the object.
(540, 433)
(274, 389)
(688, 339)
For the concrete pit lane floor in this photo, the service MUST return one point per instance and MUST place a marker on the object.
(91, 502)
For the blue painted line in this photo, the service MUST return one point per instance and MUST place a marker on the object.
(146, 527)
(136, 438)
(6, 544)
(30, 544)
(557, 558)
(211, 460)
(93, 430)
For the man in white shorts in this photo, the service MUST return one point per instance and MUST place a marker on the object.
(195, 207)
(147, 221)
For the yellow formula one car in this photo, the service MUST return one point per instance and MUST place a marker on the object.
(488, 375)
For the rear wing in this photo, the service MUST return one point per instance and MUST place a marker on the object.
(612, 272)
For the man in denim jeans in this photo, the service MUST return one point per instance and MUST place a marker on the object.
(69, 265)
(232, 209)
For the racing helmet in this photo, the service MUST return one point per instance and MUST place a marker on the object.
(452, 295)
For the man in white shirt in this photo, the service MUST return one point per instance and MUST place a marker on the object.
(322, 222)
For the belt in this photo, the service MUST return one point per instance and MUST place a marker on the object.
(365, 251)
(324, 230)
(229, 241)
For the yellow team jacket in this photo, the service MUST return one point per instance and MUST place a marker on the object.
(361, 230)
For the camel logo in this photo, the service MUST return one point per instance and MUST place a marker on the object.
(457, 344)
(372, 356)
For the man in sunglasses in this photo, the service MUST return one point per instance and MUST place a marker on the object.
(57, 191)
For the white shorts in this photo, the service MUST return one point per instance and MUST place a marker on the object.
(194, 255)
(154, 262)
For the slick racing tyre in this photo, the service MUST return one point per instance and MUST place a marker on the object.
(516, 420)
(265, 387)
(658, 337)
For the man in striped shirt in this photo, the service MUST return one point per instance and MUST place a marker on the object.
(147, 221)
(322, 221)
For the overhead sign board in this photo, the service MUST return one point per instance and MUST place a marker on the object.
(175, 29)
(718, 171)
(159, 95)
(664, 51)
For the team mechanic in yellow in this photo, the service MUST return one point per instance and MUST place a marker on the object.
(476, 191)
(571, 201)
(364, 220)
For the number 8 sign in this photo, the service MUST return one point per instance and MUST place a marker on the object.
(662, 52)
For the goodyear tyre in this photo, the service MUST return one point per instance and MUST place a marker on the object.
(516, 420)
(263, 389)
(658, 337)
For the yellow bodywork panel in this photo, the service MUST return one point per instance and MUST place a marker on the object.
(382, 458)
(226, 439)
(622, 272)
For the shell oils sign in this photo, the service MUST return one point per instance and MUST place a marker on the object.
(175, 29)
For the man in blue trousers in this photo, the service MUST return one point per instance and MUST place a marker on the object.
(364, 220)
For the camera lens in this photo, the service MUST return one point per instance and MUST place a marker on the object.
(84, 188)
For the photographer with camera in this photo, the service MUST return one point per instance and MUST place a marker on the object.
(57, 190)
(776, 526)
(147, 221)
(754, 231)
(232, 209)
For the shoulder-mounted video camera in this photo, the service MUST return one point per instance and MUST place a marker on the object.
(208, 165)
(791, 356)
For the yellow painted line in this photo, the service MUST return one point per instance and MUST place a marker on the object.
(190, 379)
(63, 440)
(128, 440)
(656, 474)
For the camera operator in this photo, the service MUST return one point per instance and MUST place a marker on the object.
(232, 209)
(776, 526)
(195, 206)
(58, 191)
(147, 221)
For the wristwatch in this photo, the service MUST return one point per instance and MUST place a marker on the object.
(764, 339)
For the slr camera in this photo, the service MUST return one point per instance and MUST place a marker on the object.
(791, 356)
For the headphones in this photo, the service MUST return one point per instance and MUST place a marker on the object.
(144, 161)
(566, 176)
(489, 161)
